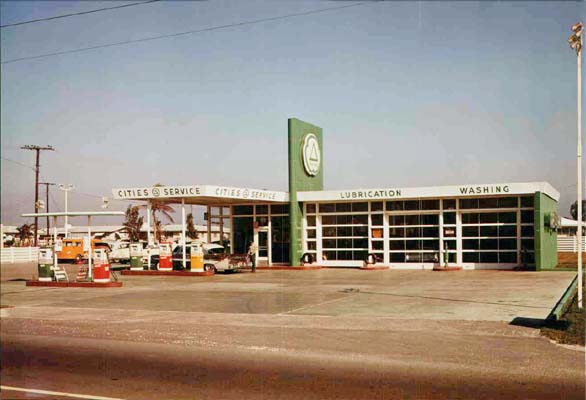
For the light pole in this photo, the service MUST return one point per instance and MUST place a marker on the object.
(66, 188)
(575, 41)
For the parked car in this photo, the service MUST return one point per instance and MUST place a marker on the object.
(214, 258)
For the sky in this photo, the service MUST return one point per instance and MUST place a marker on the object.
(407, 93)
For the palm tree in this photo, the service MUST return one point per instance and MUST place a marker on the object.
(159, 206)
(25, 231)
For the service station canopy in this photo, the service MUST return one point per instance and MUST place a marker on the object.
(206, 195)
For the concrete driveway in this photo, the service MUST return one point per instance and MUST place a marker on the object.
(461, 295)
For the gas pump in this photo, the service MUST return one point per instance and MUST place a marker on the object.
(46, 273)
(136, 257)
(196, 257)
(165, 259)
(101, 266)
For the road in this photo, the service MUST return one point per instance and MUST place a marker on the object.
(290, 335)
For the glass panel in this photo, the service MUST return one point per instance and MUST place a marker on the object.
(412, 232)
(430, 205)
(488, 231)
(470, 257)
(508, 218)
(394, 232)
(280, 209)
(528, 257)
(449, 204)
(378, 245)
(508, 258)
(449, 218)
(527, 244)
(527, 216)
(527, 231)
(450, 244)
(311, 245)
(262, 221)
(359, 207)
(488, 218)
(413, 244)
(489, 257)
(344, 231)
(397, 257)
(243, 210)
(343, 207)
(527, 201)
(430, 232)
(396, 220)
(376, 206)
(327, 208)
(311, 234)
(360, 231)
(343, 219)
(395, 205)
(470, 244)
(430, 244)
(328, 220)
(489, 244)
(508, 202)
(508, 244)
(360, 243)
(329, 243)
(360, 219)
(470, 218)
(411, 205)
(488, 203)
(262, 209)
(280, 239)
(397, 245)
(329, 231)
(469, 231)
(507, 230)
(468, 203)
(344, 244)
(376, 219)
(242, 234)
(412, 219)
(344, 255)
(329, 255)
(311, 220)
(429, 219)
(451, 257)
(359, 255)
(310, 208)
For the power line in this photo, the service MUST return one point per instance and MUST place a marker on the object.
(77, 14)
(213, 28)
(19, 163)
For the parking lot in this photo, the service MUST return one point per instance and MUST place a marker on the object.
(463, 295)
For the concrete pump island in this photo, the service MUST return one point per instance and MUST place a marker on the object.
(486, 226)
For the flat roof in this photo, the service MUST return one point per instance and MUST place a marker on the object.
(225, 195)
(75, 214)
(390, 193)
(202, 195)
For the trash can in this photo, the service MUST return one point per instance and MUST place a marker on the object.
(45, 265)
(165, 259)
(101, 267)
(136, 257)
(196, 257)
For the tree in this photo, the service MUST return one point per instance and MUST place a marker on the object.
(25, 231)
(191, 231)
(159, 206)
(574, 210)
(133, 223)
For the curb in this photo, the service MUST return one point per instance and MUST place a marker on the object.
(447, 269)
(75, 284)
(167, 273)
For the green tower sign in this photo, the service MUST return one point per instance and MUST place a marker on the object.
(305, 174)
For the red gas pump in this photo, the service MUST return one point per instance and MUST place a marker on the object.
(101, 267)
(165, 257)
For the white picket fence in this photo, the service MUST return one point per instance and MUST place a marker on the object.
(569, 244)
(11, 255)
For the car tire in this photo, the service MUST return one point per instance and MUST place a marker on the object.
(210, 267)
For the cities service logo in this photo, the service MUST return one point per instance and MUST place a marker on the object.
(311, 154)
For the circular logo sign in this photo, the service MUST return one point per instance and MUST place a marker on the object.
(311, 154)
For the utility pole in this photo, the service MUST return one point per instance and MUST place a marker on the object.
(47, 184)
(66, 188)
(575, 41)
(38, 149)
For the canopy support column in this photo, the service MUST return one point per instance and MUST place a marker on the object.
(90, 272)
(149, 238)
(209, 224)
(54, 242)
(183, 232)
(222, 225)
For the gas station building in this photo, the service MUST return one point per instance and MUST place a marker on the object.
(482, 226)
